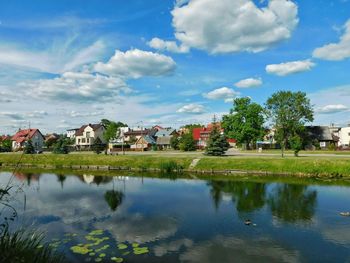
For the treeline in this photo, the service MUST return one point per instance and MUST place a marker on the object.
(285, 111)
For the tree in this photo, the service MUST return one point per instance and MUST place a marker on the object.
(112, 129)
(174, 142)
(61, 146)
(5, 146)
(289, 111)
(190, 127)
(217, 144)
(98, 146)
(187, 143)
(29, 148)
(245, 122)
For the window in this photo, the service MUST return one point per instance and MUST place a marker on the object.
(83, 140)
(87, 134)
(88, 140)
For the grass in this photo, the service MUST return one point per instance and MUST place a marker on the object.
(311, 165)
(316, 166)
(276, 151)
(21, 246)
(135, 161)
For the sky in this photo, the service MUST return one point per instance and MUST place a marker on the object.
(68, 63)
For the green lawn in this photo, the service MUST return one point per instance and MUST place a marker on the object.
(273, 151)
(316, 166)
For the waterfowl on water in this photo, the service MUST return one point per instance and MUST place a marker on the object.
(247, 222)
(344, 213)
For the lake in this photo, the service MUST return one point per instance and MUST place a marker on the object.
(143, 219)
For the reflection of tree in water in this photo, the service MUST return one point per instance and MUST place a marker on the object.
(248, 196)
(102, 179)
(61, 178)
(293, 202)
(114, 198)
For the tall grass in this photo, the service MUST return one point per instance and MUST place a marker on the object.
(170, 167)
(22, 246)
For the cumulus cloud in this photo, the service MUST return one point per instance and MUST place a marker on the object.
(249, 83)
(75, 114)
(192, 108)
(233, 26)
(336, 51)
(170, 46)
(287, 68)
(223, 93)
(78, 87)
(332, 108)
(137, 63)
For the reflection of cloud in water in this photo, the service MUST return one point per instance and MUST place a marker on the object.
(337, 235)
(230, 249)
(140, 229)
(173, 246)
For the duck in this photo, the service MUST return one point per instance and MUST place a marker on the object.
(247, 222)
(344, 213)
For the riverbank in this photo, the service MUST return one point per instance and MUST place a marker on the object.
(305, 166)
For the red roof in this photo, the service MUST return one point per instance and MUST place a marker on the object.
(24, 135)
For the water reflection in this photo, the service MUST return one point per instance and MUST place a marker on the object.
(173, 218)
(293, 203)
(288, 202)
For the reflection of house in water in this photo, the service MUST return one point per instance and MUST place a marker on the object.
(27, 177)
(88, 178)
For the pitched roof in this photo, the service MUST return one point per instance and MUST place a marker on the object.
(321, 133)
(94, 127)
(164, 140)
(24, 135)
(164, 132)
(147, 138)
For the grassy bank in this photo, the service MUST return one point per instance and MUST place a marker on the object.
(303, 165)
(317, 166)
(133, 161)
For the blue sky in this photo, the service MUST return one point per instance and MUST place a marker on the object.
(66, 63)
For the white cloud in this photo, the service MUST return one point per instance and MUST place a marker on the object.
(75, 114)
(170, 46)
(192, 108)
(137, 63)
(336, 51)
(77, 86)
(287, 68)
(60, 57)
(249, 83)
(223, 93)
(332, 108)
(37, 114)
(226, 26)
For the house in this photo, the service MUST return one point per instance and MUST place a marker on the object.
(201, 135)
(144, 143)
(134, 134)
(322, 135)
(86, 135)
(344, 137)
(71, 133)
(163, 137)
(20, 139)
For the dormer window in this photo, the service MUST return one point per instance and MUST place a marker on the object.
(87, 134)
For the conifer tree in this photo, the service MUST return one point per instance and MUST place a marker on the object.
(217, 144)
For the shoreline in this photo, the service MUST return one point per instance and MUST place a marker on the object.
(263, 166)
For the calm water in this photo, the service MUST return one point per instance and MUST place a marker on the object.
(186, 220)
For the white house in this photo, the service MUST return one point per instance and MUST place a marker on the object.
(20, 139)
(71, 133)
(87, 134)
(344, 137)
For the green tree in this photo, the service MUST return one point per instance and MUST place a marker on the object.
(98, 146)
(29, 148)
(217, 144)
(187, 143)
(112, 129)
(61, 146)
(5, 146)
(174, 142)
(245, 122)
(289, 112)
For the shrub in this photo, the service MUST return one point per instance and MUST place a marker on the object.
(170, 167)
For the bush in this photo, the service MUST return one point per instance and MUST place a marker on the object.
(61, 146)
(29, 148)
(187, 143)
(98, 146)
(170, 167)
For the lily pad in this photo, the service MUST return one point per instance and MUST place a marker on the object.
(135, 245)
(141, 250)
(102, 255)
(80, 250)
(118, 260)
(122, 246)
(98, 259)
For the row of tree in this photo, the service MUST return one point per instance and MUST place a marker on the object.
(287, 112)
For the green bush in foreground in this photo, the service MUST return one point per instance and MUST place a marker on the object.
(26, 247)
